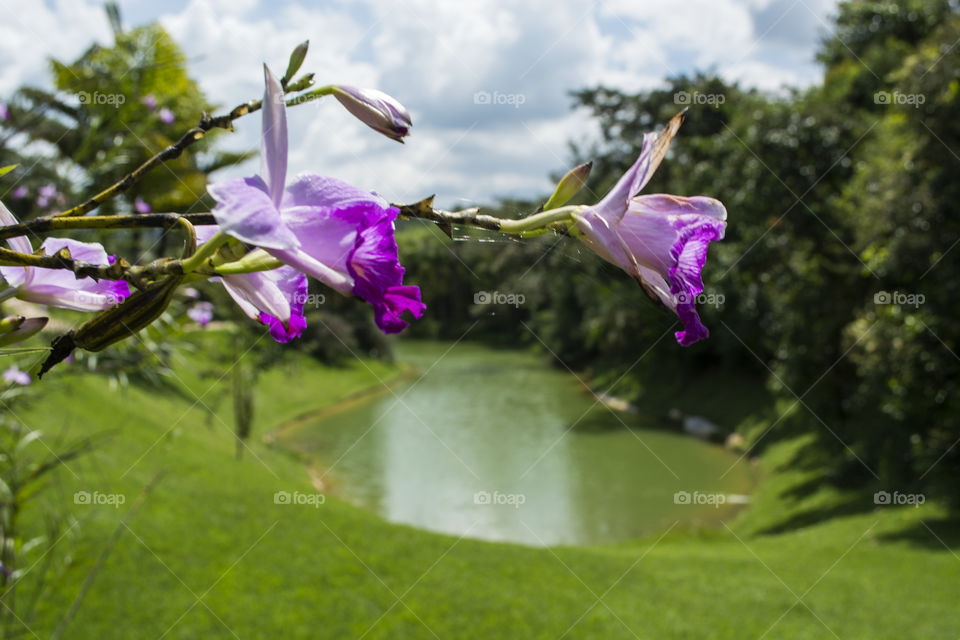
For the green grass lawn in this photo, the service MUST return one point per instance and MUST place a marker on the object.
(210, 555)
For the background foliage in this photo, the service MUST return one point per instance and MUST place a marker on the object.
(837, 194)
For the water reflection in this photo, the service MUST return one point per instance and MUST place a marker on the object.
(495, 445)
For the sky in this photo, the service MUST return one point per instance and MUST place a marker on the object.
(487, 82)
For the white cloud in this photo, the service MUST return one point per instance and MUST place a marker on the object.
(435, 56)
(32, 32)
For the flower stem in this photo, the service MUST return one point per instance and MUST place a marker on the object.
(204, 252)
(173, 151)
(51, 223)
(537, 221)
(530, 225)
(258, 260)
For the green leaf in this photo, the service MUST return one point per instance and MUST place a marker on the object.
(5, 170)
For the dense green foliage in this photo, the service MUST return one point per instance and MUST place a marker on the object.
(111, 109)
(841, 198)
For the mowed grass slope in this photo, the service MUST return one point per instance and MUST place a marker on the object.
(210, 555)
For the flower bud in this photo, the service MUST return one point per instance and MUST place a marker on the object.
(296, 59)
(115, 324)
(569, 185)
(375, 109)
(14, 329)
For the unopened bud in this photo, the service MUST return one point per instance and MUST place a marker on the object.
(115, 324)
(14, 329)
(303, 82)
(375, 109)
(296, 59)
(569, 185)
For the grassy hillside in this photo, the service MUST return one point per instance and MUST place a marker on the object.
(209, 553)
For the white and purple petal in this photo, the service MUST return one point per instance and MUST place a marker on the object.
(61, 288)
(312, 190)
(661, 240)
(246, 211)
(19, 244)
(273, 139)
(275, 298)
(294, 285)
(378, 276)
(376, 109)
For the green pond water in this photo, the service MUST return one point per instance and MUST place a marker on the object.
(498, 445)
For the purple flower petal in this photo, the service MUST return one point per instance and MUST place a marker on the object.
(273, 143)
(14, 375)
(375, 267)
(19, 244)
(395, 301)
(278, 294)
(352, 249)
(328, 237)
(614, 203)
(61, 288)
(312, 190)
(245, 211)
(295, 284)
(205, 231)
(661, 240)
(201, 313)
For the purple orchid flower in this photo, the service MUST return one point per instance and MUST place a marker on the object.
(141, 206)
(14, 375)
(375, 109)
(201, 313)
(150, 101)
(166, 116)
(4, 111)
(59, 287)
(46, 195)
(275, 297)
(321, 226)
(660, 240)
(20, 192)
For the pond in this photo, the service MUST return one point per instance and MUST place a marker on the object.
(498, 445)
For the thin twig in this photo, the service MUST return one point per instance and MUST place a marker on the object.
(173, 151)
(49, 223)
